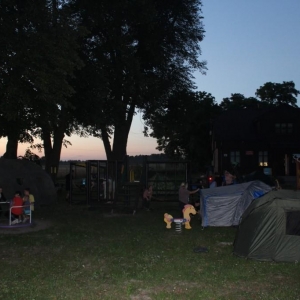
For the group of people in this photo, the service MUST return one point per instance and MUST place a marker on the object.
(184, 193)
(21, 207)
(217, 180)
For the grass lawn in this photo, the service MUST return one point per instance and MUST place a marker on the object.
(94, 255)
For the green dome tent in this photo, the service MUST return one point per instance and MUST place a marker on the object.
(270, 228)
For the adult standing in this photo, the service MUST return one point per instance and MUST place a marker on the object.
(184, 194)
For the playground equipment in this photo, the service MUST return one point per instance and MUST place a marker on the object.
(166, 177)
(108, 183)
(187, 210)
(103, 183)
(19, 224)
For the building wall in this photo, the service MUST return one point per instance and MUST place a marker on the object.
(272, 133)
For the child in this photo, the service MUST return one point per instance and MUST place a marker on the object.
(28, 200)
(17, 208)
(229, 178)
(26, 210)
(147, 195)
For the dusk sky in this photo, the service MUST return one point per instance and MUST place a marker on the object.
(246, 44)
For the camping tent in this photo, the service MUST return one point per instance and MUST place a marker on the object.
(18, 174)
(270, 228)
(224, 206)
(260, 175)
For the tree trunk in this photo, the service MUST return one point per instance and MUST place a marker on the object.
(119, 150)
(122, 129)
(53, 151)
(11, 147)
(119, 144)
(106, 143)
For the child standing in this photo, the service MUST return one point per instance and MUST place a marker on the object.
(147, 195)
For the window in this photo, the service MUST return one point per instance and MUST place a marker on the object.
(235, 157)
(293, 223)
(263, 158)
(284, 128)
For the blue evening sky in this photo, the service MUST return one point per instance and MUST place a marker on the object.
(249, 43)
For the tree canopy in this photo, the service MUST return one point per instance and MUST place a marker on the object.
(136, 53)
(87, 66)
(182, 127)
(278, 93)
(269, 94)
(38, 57)
(237, 100)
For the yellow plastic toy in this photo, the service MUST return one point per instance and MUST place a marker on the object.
(187, 210)
(168, 219)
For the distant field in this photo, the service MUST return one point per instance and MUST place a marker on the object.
(64, 169)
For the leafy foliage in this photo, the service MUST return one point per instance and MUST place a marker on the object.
(136, 53)
(239, 101)
(182, 127)
(38, 59)
(278, 93)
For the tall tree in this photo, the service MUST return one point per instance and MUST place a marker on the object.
(278, 93)
(57, 46)
(182, 128)
(139, 51)
(15, 88)
(38, 59)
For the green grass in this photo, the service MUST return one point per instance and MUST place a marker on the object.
(94, 255)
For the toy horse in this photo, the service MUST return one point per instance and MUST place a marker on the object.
(187, 210)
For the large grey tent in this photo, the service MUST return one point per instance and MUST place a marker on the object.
(270, 228)
(17, 174)
(224, 206)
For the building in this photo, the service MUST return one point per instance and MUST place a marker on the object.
(255, 139)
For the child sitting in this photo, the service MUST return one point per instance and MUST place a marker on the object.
(26, 210)
(28, 202)
(17, 208)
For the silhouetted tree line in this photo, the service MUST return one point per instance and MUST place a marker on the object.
(183, 125)
(86, 67)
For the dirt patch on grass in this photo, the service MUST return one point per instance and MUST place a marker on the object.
(176, 289)
(116, 215)
(36, 226)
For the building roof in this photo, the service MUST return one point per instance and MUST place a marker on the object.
(243, 124)
(237, 125)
